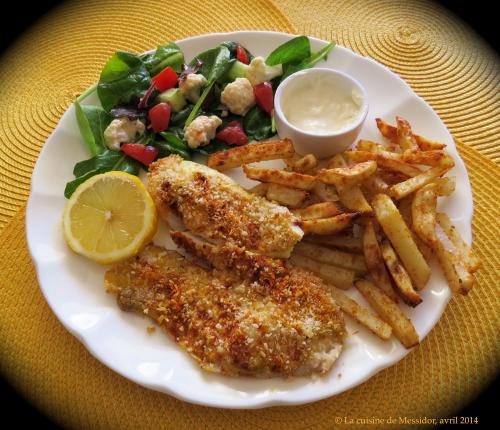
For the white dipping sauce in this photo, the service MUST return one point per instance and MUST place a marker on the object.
(321, 104)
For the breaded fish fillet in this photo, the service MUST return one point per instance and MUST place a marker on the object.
(245, 315)
(216, 208)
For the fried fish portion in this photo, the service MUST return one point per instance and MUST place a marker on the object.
(245, 315)
(216, 208)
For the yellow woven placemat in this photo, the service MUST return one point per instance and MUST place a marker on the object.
(66, 51)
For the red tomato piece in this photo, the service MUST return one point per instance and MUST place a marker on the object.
(145, 154)
(159, 115)
(165, 80)
(233, 134)
(264, 96)
(241, 54)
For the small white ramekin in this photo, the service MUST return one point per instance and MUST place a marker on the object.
(320, 144)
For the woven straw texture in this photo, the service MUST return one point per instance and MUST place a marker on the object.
(439, 56)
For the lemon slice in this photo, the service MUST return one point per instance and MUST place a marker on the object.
(109, 217)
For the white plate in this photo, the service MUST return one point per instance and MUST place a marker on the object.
(73, 286)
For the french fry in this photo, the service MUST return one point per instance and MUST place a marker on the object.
(391, 177)
(333, 257)
(353, 199)
(234, 157)
(330, 225)
(287, 196)
(375, 261)
(401, 239)
(319, 210)
(445, 186)
(384, 162)
(428, 158)
(423, 213)
(305, 164)
(406, 140)
(348, 176)
(390, 133)
(336, 161)
(428, 145)
(398, 191)
(375, 184)
(459, 279)
(259, 189)
(337, 276)
(471, 262)
(370, 146)
(346, 243)
(361, 314)
(326, 193)
(400, 275)
(389, 311)
(282, 177)
(404, 206)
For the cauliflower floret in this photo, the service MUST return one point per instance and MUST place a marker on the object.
(122, 130)
(191, 86)
(258, 71)
(202, 130)
(238, 96)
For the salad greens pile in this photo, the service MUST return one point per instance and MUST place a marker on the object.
(145, 90)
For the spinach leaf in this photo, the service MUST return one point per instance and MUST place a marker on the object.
(307, 63)
(172, 144)
(123, 78)
(92, 121)
(231, 45)
(178, 118)
(295, 50)
(257, 124)
(105, 162)
(216, 62)
(165, 55)
(212, 147)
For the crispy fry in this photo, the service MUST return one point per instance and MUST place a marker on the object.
(404, 134)
(346, 260)
(361, 314)
(404, 206)
(375, 262)
(336, 161)
(234, 157)
(370, 146)
(337, 276)
(445, 186)
(428, 158)
(460, 280)
(400, 275)
(398, 191)
(347, 243)
(330, 225)
(348, 176)
(287, 196)
(423, 213)
(390, 132)
(305, 164)
(353, 199)
(319, 210)
(259, 189)
(389, 311)
(428, 145)
(384, 162)
(471, 262)
(391, 177)
(375, 184)
(326, 193)
(400, 237)
(282, 177)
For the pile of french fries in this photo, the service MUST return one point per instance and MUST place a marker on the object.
(370, 220)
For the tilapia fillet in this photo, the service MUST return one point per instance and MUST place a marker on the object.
(216, 208)
(246, 315)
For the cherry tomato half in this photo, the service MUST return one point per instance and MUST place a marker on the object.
(241, 54)
(159, 115)
(165, 80)
(264, 96)
(233, 134)
(145, 154)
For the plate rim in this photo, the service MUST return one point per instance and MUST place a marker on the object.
(254, 403)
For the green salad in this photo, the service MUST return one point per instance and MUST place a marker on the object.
(155, 104)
